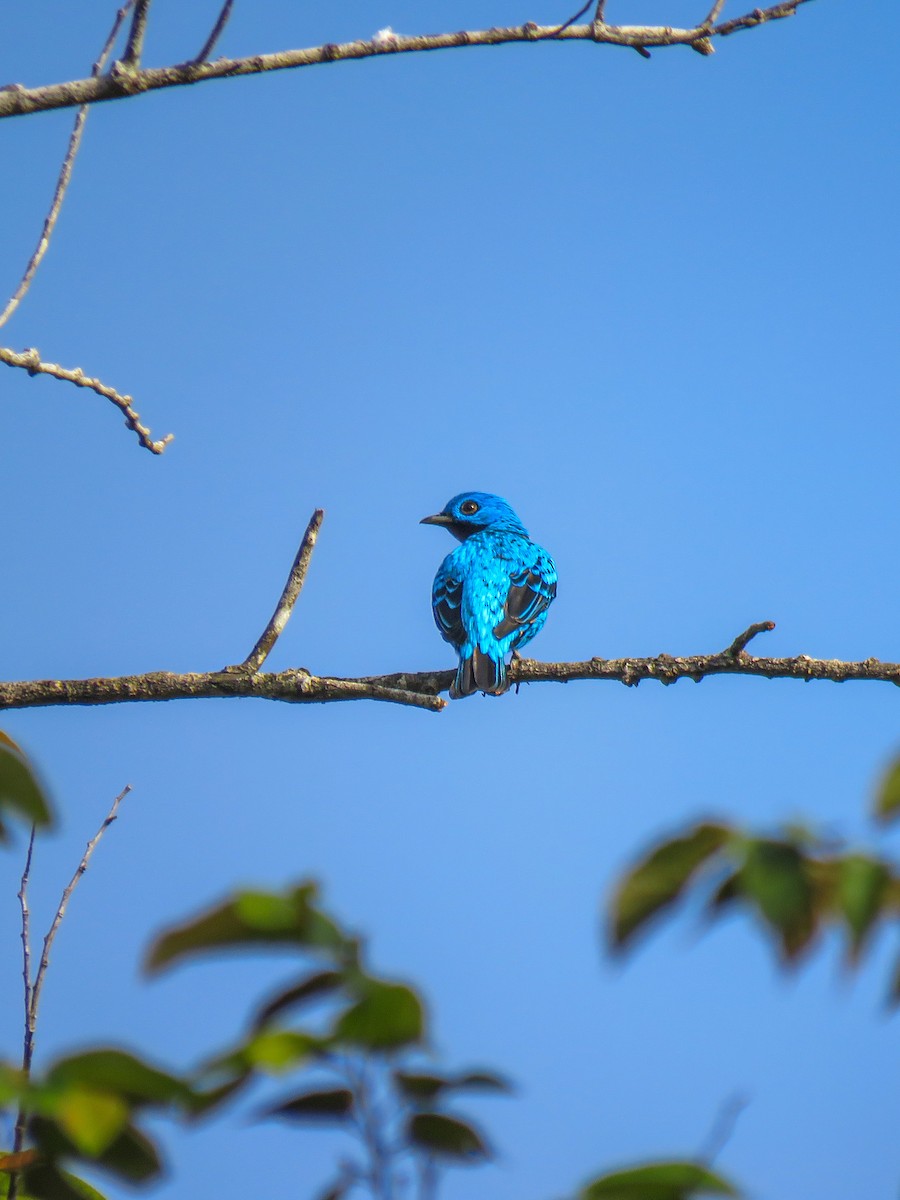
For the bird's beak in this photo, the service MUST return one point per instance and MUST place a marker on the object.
(437, 519)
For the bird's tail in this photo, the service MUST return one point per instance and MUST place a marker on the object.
(478, 672)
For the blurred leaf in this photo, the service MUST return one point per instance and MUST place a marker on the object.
(725, 894)
(335, 1191)
(774, 877)
(388, 1015)
(204, 1101)
(20, 790)
(10, 1162)
(445, 1136)
(658, 881)
(271, 1050)
(420, 1087)
(861, 891)
(47, 1182)
(90, 1118)
(250, 920)
(132, 1156)
(310, 988)
(658, 1181)
(313, 1106)
(887, 796)
(117, 1071)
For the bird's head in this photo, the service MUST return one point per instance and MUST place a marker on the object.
(470, 512)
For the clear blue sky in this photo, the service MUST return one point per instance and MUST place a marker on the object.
(652, 303)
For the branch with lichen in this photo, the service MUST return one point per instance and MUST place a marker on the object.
(416, 689)
(123, 80)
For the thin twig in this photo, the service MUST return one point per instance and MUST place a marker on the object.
(65, 175)
(713, 15)
(34, 986)
(16, 100)
(740, 643)
(66, 897)
(292, 589)
(31, 361)
(28, 1036)
(571, 21)
(723, 1128)
(209, 44)
(134, 47)
(599, 12)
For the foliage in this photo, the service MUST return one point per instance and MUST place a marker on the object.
(356, 1043)
(794, 884)
(21, 793)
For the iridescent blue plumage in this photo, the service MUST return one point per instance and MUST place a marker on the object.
(492, 593)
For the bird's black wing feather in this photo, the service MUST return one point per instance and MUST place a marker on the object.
(530, 594)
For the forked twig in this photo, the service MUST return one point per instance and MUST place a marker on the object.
(16, 100)
(65, 175)
(34, 986)
(292, 589)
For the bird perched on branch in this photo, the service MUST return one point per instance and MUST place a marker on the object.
(492, 593)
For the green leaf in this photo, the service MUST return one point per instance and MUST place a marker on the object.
(121, 1073)
(272, 1050)
(204, 1101)
(658, 1181)
(862, 888)
(446, 1137)
(46, 1181)
(658, 881)
(332, 1105)
(90, 1118)
(250, 920)
(774, 877)
(388, 1015)
(132, 1156)
(20, 790)
(887, 795)
(312, 987)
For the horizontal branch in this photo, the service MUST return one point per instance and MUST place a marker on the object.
(31, 361)
(422, 689)
(124, 80)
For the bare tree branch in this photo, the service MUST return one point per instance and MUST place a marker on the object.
(292, 589)
(16, 100)
(31, 361)
(134, 47)
(210, 43)
(599, 12)
(34, 986)
(65, 175)
(422, 689)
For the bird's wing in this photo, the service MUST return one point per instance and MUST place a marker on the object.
(446, 601)
(531, 591)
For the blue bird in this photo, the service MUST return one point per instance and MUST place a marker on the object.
(492, 593)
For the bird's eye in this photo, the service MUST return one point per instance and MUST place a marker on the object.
(468, 508)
